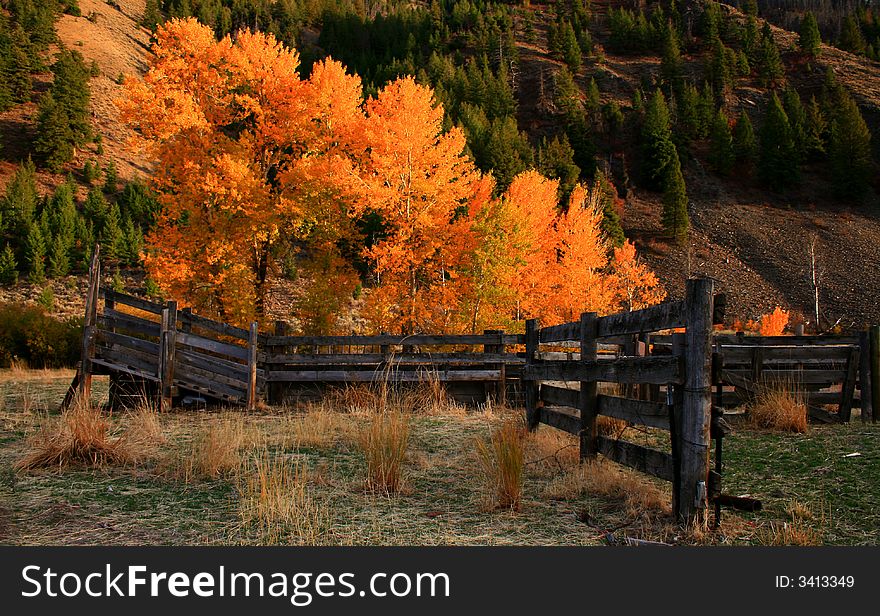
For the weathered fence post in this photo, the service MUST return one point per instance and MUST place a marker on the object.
(113, 393)
(252, 368)
(847, 390)
(494, 388)
(530, 386)
(865, 376)
(587, 399)
(697, 401)
(875, 372)
(675, 404)
(167, 342)
(89, 326)
(275, 390)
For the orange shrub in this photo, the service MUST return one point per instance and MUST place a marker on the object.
(774, 323)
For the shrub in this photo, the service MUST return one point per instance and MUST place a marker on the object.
(46, 299)
(28, 333)
(773, 324)
(502, 459)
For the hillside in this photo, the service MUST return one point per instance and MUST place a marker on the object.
(753, 241)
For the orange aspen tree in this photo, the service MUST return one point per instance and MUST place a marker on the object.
(417, 178)
(580, 282)
(210, 113)
(635, 285)
(529, 205)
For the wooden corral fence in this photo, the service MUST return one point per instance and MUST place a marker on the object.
(830, 373)
(164, 352)
(568, 394)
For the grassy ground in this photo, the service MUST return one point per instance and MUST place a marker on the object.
(812, 489)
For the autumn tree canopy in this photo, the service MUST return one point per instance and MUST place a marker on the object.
(253, 163)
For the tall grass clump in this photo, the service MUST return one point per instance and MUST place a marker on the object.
(781, 407)
(215, 450)
(384, 441)
(274, 501)
(502, 459)
(82, 435)
(143, 429)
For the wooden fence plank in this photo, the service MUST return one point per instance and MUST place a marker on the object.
(366, 376)
(560, 419)
(194, 320)
(639, 412)
(122, 340)
(388, 339)
(130, 300)
(801, 377)
(659, 370)
(668, 315)
(649, 461)
(112, 319)
(561, 333)
(793, 354)
(559, 396)
(222, 367)
(214, 346)
(410, 359)
(142, 374)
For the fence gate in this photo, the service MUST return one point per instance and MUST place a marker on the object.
(671, 392)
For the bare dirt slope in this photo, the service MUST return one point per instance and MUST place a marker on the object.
(752, 241)
(111, 37)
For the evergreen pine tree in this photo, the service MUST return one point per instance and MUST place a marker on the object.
(8, 266)
(134, 243)
(571, 50)
(849, 151)
(95, 208)
(593, 97)
(658, 149)
(744, 144)
(151, 18)
(35, 254)
(112, 238)
(19, 66)
(55, 138)
(851, 37)
(70, 90)
(19, 204)
(809, 39)
(59, 261)
(816, 129)
(797, 119)
(556, 160)
(777, 161)
(721, 155)
(111, 178)
(675, 214)
(670, 63)
(770, 68)
(611, 224)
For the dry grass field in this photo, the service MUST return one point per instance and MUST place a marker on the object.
(384, 468)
